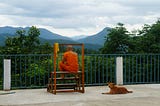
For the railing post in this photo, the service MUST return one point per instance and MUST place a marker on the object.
(7, 74)
(119, 71)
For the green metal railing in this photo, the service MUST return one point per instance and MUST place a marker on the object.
(29, 71)
(33, 70)
(100, 68)
(141, 68)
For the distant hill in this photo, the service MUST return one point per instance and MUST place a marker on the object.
(79, 37)
(51, 42)
(9, 30)
(2, 40)
(3, 37)
(98, 38)
(91, 42)
(46, 34)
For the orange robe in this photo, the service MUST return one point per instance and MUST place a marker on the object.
(70, 63)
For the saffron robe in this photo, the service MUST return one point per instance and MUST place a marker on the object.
(70, 62)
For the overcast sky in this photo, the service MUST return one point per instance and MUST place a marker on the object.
(78, 17)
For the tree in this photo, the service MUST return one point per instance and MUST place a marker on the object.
(45, 48)
(135, 44)
(151, 38)
(32, 40)
(23, 43)
(117, 40)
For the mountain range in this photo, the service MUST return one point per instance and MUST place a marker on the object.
(95, 41)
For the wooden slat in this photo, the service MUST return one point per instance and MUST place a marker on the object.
(64, 90)
(65, 78)
(65, 72)
(68, 84)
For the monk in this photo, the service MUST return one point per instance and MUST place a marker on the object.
(69, 61)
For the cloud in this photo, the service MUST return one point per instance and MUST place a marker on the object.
(78, 16)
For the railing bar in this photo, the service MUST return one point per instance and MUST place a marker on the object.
(20, 72)
(103, 69)
(95, 69)
(91, 71)
(110, 71)
(25, 72)
(99, 71)
(30, 79)
(111, 59)
(140, 69)
(144, 72)
(49, 66)
(129, 70)
(34, 71)
(44, 75)
(136, 69)
(151, 68)
(106, 68)
(132, 69)
(158, 62)
(125, 70)
(155, 77)
(87, 71)
(147, 69)
(115, 79)
(39, 63)
(15, 71)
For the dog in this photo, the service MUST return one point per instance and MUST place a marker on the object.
(114, 89)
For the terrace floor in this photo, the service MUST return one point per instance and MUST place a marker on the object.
(143, 95)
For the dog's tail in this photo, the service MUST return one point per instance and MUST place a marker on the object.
(130, 91)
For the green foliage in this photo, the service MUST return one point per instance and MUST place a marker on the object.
(34, 71)
(26, 43)
(151, 38)
(117, 40)
(99, 69)
(45, 48)
(39, 70)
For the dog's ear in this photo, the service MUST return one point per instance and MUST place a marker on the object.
(108, 82)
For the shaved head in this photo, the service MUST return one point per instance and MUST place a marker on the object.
(69, 47)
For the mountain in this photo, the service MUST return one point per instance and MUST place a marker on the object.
(52, 41)
(46, 34)
(91, 42)
(78, 37)
(9, 30)
(2, 40)
(98, 38)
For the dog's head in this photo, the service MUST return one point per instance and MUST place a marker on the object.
(111, 85)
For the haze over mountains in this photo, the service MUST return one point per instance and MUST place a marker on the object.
(92, 42)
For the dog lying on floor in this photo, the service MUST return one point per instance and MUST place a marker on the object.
(114, 89)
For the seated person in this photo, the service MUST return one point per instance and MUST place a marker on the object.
(69, 61)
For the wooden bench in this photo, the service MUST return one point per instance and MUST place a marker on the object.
(70, 83)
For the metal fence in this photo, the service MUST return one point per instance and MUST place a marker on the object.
(141, 68)
(28, 71)
(33, 70)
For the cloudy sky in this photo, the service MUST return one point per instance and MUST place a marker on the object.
(78, 17)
